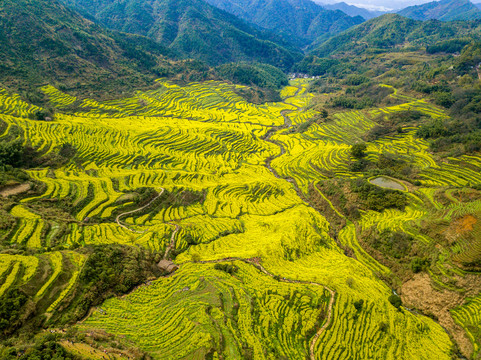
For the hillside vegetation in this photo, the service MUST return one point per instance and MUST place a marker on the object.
(191, 29)
(299, 21)
(446, 69)
(43, 42)
(393, 32)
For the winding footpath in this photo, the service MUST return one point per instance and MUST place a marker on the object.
(117, 219)
(287, 124)
(312, 353)
(172, 241)
(171, 245)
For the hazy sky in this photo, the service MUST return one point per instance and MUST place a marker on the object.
(379, 4)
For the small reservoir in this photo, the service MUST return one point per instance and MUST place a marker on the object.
(388, 183)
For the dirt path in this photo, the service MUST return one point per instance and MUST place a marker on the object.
(137, 210)
(14, 190)
(267, 137)
(316, 337)
(172, 240)
(171, 245)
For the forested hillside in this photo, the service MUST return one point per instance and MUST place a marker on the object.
(192, 29)
(299, 20)
(392, 32)
(43, 42)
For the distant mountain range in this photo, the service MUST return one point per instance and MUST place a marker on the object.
(191, 29)
(445, 10)
(352, 10)
(304, 20)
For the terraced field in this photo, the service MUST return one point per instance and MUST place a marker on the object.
(48, 278)
(201, 176)
(468, 316)
(204, 308)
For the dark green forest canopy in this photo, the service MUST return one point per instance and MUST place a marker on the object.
(299, 21)
(192, 29)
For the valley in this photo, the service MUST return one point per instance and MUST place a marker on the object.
(168, 191)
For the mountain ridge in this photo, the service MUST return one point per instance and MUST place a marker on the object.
(192, 29)
(304, 19)
(353, 10)
(445, 10)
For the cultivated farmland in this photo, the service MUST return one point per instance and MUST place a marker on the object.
(273, 261)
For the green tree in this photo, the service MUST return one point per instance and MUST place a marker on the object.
(359, 304)
(395, 300)
(10, 153)
(324, 114)
(358, 151)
